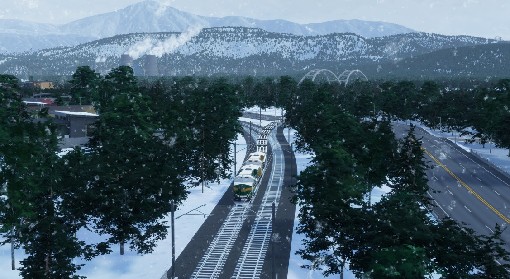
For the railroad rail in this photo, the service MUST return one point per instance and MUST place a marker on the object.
(255, 248)
(254, 251)
(211, 264)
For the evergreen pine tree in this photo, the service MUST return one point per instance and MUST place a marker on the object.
(134, 179)
(84, 85)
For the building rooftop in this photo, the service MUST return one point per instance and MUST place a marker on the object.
(81, 113)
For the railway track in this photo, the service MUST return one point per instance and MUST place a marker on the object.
(254, 250)
(211, 264)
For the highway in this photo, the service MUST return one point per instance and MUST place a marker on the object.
(464, 187)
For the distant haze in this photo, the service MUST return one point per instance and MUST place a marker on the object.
(484, 18)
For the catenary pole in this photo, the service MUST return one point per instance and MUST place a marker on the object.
(173, 238)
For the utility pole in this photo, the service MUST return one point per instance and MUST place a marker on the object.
(173, 237)
(260, 117)
(273, 273)
(203, 158)
(235, 155)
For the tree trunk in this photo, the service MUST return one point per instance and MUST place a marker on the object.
(47, 261)
(121, 248)
(13, 263)
(342, 271)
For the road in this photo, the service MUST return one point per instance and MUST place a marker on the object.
(464, 187)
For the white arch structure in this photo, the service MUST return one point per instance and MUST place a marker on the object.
(346, 75)
(330, 76)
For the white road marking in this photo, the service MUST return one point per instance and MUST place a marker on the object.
(447, 215)
(489, 229)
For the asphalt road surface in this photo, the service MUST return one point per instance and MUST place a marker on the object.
(464, 187)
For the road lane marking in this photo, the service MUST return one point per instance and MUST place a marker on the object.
(489, 229)
(447, 215)
(450, 143)
(469, 189)
(467, 209)
(497, 193)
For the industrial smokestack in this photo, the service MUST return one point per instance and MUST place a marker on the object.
(126, 60)
(151, 65)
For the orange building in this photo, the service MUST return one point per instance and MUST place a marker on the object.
(44, 84)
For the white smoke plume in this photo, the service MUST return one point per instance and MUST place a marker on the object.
(140, 48)
(170, 44)
(159, 48)
(100, 59)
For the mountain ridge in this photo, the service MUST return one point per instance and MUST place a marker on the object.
(236, 51)
(151, 16)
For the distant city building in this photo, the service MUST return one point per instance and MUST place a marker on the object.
(34, 106)
(126, 60)
(74, 121)
(43, 85)
(151, 66)
(42, 98)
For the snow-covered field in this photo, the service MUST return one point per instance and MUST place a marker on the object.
(154, 265)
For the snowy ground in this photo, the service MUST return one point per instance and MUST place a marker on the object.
(154, 265)
(295, 261)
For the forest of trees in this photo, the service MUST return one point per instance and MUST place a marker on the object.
(354, 151)
(150, 143)
(348, 129)
(153, 139)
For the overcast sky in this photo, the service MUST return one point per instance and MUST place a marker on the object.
(486, 18)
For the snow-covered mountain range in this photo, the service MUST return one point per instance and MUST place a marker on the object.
(151, 16)
(234, 50)
(171, 42)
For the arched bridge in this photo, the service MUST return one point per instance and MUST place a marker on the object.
(344, 77)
